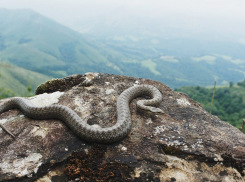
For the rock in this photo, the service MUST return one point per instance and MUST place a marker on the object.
(185, 143)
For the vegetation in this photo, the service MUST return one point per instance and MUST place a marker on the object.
(18, 79)
(37, 43)
(5, 93)
(229, 102)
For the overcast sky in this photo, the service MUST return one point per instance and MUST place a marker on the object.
(228, 13)
(69, 9)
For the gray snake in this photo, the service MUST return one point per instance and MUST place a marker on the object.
(82, 129)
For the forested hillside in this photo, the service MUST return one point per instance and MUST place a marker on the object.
(228, 104)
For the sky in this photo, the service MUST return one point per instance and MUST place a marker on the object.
(59, 9)
(227, 15)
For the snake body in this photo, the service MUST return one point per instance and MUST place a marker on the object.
(82, 129)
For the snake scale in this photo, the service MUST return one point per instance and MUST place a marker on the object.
(83, 130)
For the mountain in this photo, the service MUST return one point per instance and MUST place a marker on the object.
(34, 42)
(170, 48)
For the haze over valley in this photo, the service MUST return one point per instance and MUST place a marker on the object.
(177, 49)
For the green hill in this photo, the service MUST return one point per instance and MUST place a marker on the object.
(14, 79)
(34, 42)
(229, 102)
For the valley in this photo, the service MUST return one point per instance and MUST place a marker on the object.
(34, 42)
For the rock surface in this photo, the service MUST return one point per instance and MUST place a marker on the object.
(184, 144)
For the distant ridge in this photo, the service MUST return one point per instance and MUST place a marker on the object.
(32, 41)
(37, 43)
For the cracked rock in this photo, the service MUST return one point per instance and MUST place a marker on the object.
(185, 143)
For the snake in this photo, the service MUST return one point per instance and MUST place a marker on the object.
(91, 133)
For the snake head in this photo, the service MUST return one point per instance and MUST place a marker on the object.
(156, 110)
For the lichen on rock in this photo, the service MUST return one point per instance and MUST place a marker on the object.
(185, 143)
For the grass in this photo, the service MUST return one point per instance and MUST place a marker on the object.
(18, 79)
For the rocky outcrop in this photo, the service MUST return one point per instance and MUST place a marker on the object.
(184, 144)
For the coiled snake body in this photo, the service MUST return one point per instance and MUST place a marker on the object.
(82, 129)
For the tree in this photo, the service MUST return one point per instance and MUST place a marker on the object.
(242, 84)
